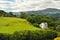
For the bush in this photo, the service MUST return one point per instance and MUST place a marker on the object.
(58, 34)
(34, 35)
(30, 35)
(58, 28)
(4, 36)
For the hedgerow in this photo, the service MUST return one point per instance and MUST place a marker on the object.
(30, 35)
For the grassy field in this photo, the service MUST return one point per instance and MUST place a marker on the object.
(10, 25)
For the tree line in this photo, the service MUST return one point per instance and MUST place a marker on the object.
(6, 14)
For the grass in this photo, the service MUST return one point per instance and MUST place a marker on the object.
(10, 25)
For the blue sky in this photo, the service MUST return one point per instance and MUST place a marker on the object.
(28, 5)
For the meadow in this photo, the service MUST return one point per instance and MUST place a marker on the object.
(11, 24)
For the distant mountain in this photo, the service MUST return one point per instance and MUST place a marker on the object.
(16, 13)
(47, 12)
(50, 10)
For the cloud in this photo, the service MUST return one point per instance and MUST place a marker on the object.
(28, 5)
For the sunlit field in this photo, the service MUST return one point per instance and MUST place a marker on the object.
(10, 25)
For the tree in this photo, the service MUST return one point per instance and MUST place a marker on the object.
(10, 14)
(23, 15)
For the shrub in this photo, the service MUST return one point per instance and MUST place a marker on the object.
(30, 35)
(58, 34)
(4, 36)
(34, 35)
(58, 28)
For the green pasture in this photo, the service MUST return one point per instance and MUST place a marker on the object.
(10, 25)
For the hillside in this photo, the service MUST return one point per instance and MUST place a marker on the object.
(10, 25)
(52, 12)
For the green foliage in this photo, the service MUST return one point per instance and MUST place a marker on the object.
(4, 36)
(23, 15)
(10, 14)
(58, 34)
(6, 14)
(58, 28)
(37, 19)
(30, 35)
(3, 13)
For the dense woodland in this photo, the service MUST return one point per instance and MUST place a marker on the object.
(47, 34)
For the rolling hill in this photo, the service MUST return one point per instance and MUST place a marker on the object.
(52, 12)
(10, 25)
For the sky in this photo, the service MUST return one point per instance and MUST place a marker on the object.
(28, 5)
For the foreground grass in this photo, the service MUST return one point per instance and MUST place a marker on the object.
(10, 25)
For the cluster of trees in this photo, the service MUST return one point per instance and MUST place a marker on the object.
(30, 35)
(23, 15)
(37, 19)
(6, 14)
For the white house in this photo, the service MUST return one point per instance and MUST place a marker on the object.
(44, 25)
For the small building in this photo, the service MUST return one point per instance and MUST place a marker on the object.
(44, 25)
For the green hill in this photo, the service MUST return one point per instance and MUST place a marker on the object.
(52, 12)
(10, 25)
